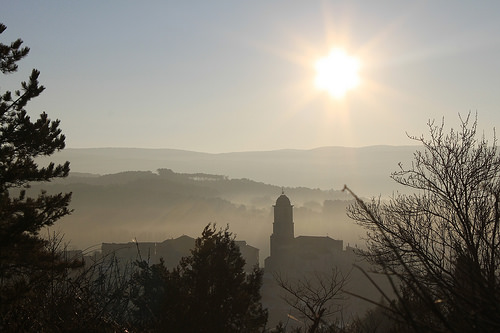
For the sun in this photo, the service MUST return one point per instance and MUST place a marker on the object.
(337, 73)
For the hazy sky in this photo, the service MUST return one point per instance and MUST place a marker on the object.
(221, 76)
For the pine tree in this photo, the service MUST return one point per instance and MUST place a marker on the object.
(221, 295)
(24, 258)
(208, 291)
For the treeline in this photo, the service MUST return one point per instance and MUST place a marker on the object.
(208, 291)
(165, 181)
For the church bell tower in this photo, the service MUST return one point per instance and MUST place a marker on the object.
(283, 233)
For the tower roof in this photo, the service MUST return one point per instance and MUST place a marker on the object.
(283, 200)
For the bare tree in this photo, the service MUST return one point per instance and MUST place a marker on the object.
(316, 297)
(440, 246)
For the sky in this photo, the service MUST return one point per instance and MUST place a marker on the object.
(228, 76)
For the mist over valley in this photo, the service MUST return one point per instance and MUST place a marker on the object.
(121, 194)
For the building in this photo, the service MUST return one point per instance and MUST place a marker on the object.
(303, 257)
(170, 250)
(303, 253)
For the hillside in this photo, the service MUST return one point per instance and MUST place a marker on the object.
(151, 206)
(366, 170)
(153, 194)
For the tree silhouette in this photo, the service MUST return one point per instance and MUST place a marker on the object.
(208, 291)
(317, 297)
(24, 257)
(441, 244)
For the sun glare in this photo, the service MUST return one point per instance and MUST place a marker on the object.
(337, 73)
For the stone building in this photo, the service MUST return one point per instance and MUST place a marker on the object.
(302, 257)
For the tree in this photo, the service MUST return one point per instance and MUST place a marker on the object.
(24, 257)
(440, 246)
(157, 298)
(208, 291)
(315, 297)
(375, 320)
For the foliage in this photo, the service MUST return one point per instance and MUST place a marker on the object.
(156, 299)
(440, 246)
(208, 291)
(24, 257)
(375, 320)
(89, 296)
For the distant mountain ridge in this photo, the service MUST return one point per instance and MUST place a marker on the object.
(366, 170)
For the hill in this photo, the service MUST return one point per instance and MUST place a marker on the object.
(152, 202)
(366, 170)
(151, 206)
